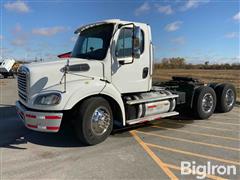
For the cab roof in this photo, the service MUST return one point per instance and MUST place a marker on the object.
(114, 21)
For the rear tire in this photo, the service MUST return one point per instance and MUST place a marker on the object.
(94, 121)
(204, 102)
(226, 97)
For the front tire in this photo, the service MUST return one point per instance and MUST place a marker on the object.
(204, 102)
(94, 121)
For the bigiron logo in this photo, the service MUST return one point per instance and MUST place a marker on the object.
(201, 171)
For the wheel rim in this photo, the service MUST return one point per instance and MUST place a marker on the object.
(229, 97)
(100, 121)
(207, 103)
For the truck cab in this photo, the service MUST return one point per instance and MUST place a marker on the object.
(105, 81)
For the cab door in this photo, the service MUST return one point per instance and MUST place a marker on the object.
(130, 74)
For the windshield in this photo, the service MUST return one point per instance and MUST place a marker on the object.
(93, 43)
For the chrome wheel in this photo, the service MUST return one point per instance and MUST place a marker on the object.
(207, 103)
(100, 121)
(229, 97)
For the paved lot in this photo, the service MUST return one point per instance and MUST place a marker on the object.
(152, 151)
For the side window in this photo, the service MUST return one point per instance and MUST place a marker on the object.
(124, 43)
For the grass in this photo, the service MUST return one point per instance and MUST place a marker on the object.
(229, 76)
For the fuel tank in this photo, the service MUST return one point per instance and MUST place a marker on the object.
(152, 107)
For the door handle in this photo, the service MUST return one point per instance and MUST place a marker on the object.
(145, 72)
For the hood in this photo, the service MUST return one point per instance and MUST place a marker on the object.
(45, 75)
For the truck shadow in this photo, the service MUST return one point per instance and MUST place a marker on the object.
(10, 126)
(13, 132)
(14, 135)
(64, 138)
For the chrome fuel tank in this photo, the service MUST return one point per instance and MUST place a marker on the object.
(153, 107)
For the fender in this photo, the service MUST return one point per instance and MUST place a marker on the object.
(96, 88)
(85, 89)
(112, 92)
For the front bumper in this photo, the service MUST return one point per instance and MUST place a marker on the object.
(39, 121)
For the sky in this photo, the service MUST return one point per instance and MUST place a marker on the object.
(197, 30)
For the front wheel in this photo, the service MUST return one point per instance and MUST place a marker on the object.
(204, 102)
(94, 121)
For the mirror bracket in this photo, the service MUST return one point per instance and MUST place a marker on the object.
(121, 62)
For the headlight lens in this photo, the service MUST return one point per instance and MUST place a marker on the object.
(48, 99)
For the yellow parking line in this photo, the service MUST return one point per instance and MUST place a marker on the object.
(193, 154)
(207, 175)
(196, 133)
(196, 125)
(190, 141)
(154, 156)
(214, 122)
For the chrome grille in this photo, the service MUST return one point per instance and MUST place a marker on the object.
(23, 83)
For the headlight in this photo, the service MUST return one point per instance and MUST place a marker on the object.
(48, 99)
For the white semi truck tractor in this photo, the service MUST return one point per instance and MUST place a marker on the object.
(106, 81)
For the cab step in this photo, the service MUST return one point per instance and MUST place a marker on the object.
(151, 118)
(160, 98)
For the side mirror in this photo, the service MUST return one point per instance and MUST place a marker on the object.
(136, 42)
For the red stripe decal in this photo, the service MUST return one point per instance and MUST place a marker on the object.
(153, 106)
(31, 126)
(52, 128)
(30, 116)
(53, 117)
